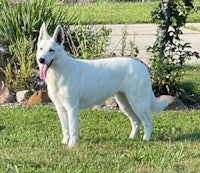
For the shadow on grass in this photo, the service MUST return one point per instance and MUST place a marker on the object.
(11, 165)
(189, 137)
(2, 127)
(185, 137)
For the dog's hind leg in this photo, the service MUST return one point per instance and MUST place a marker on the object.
(127, 110)
(141, 107)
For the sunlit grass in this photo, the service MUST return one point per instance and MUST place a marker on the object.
(31, 142)
(113, 12)
(104, 12)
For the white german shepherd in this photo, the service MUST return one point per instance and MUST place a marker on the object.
(74, 84)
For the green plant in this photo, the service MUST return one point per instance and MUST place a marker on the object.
(19, 27)
(86, 41)
(18, 70)
(123, 41)
(132, 50)
(23, 19)
(168, 52)
(190, 81)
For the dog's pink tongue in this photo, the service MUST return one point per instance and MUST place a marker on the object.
(43, 71)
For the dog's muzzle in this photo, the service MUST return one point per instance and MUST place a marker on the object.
(50, 63)
(42, 61)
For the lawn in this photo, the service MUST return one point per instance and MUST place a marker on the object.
(104, 12)
(30, 141)
(113, 13)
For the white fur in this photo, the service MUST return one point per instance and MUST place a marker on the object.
(74, 84)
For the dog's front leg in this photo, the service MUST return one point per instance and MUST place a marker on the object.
(73, 125)
(62, 114)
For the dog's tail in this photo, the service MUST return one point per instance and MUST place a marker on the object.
(158, 104)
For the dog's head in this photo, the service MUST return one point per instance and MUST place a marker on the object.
(48, 48)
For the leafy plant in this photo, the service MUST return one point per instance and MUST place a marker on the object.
(18, 70)
(19, 27)
(23, 20)
(86, 41)
(132, 50)
(169, 54)
(123, 41)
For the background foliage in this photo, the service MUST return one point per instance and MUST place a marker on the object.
(169, 53)
(87, 41)
(19, 27)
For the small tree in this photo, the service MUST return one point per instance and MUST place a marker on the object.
(169, 53)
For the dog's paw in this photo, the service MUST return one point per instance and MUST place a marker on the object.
(72, 143)
(146, 138)
(65, 140)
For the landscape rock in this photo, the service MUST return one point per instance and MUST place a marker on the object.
(2, 49)
(111, 103)
(98, 107)
(174, 103)
(23, 96)
(38, 97)
(6, 95)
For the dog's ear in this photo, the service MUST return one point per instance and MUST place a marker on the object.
(59, 35)
(43, 33)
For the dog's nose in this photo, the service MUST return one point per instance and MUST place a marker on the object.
(41, 60)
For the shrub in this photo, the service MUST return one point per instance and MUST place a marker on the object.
(169, 54)
(19, 26)
(87, 41)
(18, 70)
(23, 20)
(132, 49)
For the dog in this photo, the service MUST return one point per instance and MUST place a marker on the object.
(75, 84)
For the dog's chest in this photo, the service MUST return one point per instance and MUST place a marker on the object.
(55, 85)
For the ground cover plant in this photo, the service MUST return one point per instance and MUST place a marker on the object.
(31, 142)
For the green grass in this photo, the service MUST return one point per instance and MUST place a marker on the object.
(30, 141)
(190, 81)
(118, 12)
(113, 12)
(195, 17)
(191, 27)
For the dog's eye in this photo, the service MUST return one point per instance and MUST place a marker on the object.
(51, 50)
(41, 48)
